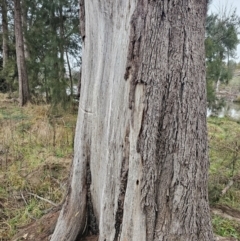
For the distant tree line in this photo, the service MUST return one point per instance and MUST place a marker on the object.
(221, 44)
(40, 43)
(40, 38)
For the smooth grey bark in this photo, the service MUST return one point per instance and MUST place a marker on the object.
(4, 32)
(140, 165)
(21, 64)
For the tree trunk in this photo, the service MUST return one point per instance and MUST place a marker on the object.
(22, 70)
(70, 74)
(141, 162)
(4, 32)
(61, 42)
(25, 28)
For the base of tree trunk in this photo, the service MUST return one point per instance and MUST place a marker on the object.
(140, 153)
(88, 238)
(39, 230)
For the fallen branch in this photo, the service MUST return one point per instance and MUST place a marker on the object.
(218, 238)
(23, 198)
(43, 199)
(222, 214)
(227, 187)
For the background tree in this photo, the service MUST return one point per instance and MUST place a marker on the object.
(4, 33)
(24, 94)
(5, 46)
(52, 49)
(221, 44)
(140, 164)
(52, 36)
(25, 11)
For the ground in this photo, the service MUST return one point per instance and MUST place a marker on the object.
(36, 148)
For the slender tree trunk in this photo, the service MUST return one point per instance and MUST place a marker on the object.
(22, 70)
(79, 83)
(141, 162)
(82, 33)
(25, 28)
(218, 81)
(46, 86)
(61, 43)
(70, 74)
(4, 32)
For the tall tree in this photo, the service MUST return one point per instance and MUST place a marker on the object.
(21, 64)
(141, 162)
(25, 8)
(51, 30)
(4, 32)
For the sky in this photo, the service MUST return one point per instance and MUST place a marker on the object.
(219, 5)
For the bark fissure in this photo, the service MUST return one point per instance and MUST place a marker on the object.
(123, 187)
(134, 51)
(82, 19)
(168, 186)
(92, 225)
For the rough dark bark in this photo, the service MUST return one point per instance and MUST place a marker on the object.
(4, 32)
(141, 129)
(173, 139)
(24, 95)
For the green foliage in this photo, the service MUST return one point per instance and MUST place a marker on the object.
(220, 44)
(225, 227)
(35, 155)
(211, 97)
(224, 151)
(8, 75)
(51, 34)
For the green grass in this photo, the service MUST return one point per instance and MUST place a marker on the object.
(35, 155)
(224, 153)
(225, 227)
